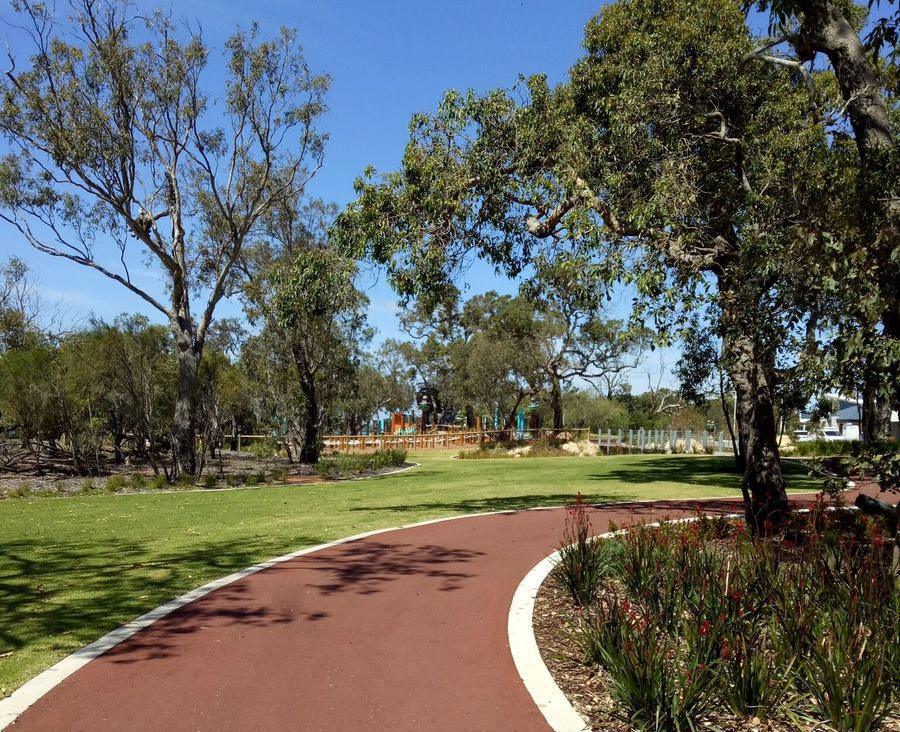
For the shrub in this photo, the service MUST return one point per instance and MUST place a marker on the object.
(263, 449)
(278, 475)
(138, 481)
(485, 451)
(159, 482)
(116, 483)
(583, 561)
(702, 612)
(210, 482)
(847, 678)
(826, 448)
(341, 465)
(21, 491)
(660, 684)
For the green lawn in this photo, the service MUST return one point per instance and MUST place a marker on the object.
(72, 569)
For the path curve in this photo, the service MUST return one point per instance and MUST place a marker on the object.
(398, 630)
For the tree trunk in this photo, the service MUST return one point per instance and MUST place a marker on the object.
(825, 29)
(556, 403)
(309, 450)
(752, 371)
(183, 423)
(738, 445)
(876, 412)
(510, 427)
(234, 435)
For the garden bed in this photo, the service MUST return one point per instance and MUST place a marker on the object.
(231, 470)
(697, 625)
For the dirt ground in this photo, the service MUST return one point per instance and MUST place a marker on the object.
(230, 469)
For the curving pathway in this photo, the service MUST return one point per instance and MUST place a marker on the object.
(401, 630)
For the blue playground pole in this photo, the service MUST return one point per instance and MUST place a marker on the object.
(520, 424)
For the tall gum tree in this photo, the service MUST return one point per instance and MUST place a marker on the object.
(869, 259)
(695, 175)
(115, 145)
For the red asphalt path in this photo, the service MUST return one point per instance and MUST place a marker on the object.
(406, 630)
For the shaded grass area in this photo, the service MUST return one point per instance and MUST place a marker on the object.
(72, 569)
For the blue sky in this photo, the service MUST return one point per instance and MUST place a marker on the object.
(388, 60)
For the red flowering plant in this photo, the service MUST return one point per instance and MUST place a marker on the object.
(583, 562)
(658, 682)
(700, 617)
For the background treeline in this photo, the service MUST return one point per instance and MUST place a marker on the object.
(92, 397)
(742, 189)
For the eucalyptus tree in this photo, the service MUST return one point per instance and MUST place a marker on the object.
(116, 144)
(502, 364)
(579, 344)
(303, 290)
(863, 267)
(691, 180)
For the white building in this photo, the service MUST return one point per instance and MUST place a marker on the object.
(843, 424)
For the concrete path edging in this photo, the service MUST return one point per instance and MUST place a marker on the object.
(16, 703)
(25, 696)
(549, 698)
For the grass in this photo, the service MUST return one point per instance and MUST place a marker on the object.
(72, 569)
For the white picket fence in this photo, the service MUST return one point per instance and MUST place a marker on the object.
(663, 441)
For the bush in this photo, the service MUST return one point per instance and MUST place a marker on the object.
(341, 466)
(116, 483)
(262, 449)
(690, 617)
(660, 683)
(278, 475)
(826, 448)
(159, 482)
(583, 561)
(210, 482)
(21, 491)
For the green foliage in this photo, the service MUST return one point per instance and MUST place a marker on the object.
(343, 466)
(659, 684)
(698, 614)
(116, 483)
(583, 562)
(159, 482)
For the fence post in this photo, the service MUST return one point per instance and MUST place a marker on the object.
(720, 442)
(608, 439)
(688, 448)
(630, 440)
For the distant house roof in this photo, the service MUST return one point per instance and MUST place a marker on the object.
(848, 414)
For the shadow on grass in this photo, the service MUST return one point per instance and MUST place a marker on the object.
(82, 590)
(709, 472)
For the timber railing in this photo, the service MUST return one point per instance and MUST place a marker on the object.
(449, 440)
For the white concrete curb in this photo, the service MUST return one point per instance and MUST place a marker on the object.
(14, 705)
(549, 698)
